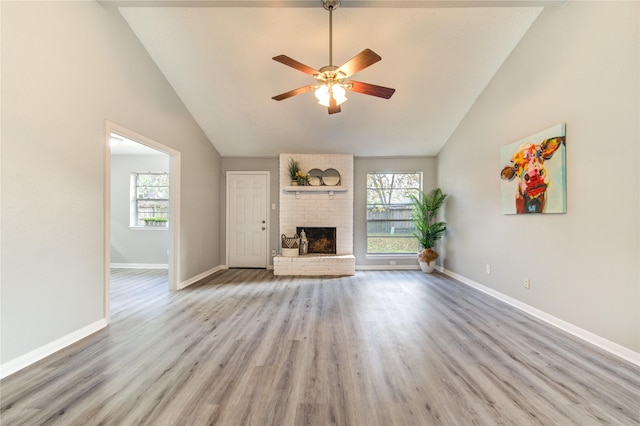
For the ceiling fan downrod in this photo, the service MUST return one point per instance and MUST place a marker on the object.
(330, 5)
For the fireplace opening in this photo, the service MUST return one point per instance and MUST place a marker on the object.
(321, 240)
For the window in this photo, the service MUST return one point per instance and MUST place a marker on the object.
(389, 227)
(150, 199)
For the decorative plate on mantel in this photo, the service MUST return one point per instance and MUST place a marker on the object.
(315, 177)
(331, 177)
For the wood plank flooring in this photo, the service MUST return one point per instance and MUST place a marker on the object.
(378, 348)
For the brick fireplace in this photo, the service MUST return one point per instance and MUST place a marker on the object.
(318, 207)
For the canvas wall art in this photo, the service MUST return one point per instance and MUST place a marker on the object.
(533, 176)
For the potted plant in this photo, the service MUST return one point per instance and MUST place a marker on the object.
(428, 229)
(294, 169)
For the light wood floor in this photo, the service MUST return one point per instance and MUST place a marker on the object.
(380, 348)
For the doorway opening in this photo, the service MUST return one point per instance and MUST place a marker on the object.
(141, 206)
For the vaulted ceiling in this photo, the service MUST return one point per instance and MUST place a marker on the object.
(438, 55)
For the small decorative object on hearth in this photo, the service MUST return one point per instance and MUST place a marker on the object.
(290, 245)
(428, 229)
(304, 243)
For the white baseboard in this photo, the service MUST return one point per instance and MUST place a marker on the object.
(387, 267)
(139, 266)
(36, 355)
(198, 277)
(594, 339)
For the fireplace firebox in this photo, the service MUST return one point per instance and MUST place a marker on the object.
(321, 240)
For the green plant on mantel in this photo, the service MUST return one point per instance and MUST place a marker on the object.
(294, 168)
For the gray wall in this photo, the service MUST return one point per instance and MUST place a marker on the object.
(578, 64)
(135, 246)
(66, 68)
(364, 165)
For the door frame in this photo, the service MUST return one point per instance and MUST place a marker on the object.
(267, 198)
(174, 206)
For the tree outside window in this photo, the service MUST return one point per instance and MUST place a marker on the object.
(389, 227)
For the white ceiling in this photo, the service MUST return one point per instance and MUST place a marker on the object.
(217, 56)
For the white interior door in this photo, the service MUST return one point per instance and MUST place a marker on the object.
(247, 201)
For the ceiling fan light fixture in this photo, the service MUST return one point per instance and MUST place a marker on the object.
(339, 94)
(324, 93)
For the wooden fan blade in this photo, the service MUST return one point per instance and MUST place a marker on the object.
(333, 106)
(293, 92)
(359, 62)
(370, 89)
(284, 59)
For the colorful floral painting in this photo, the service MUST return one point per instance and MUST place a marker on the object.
(533, 176)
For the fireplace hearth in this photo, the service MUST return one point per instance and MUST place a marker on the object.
(321, 240)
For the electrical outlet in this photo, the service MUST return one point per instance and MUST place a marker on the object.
(527, 283)
(273, 252)
(487, 268)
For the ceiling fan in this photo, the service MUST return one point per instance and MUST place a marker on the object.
(331, 85)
